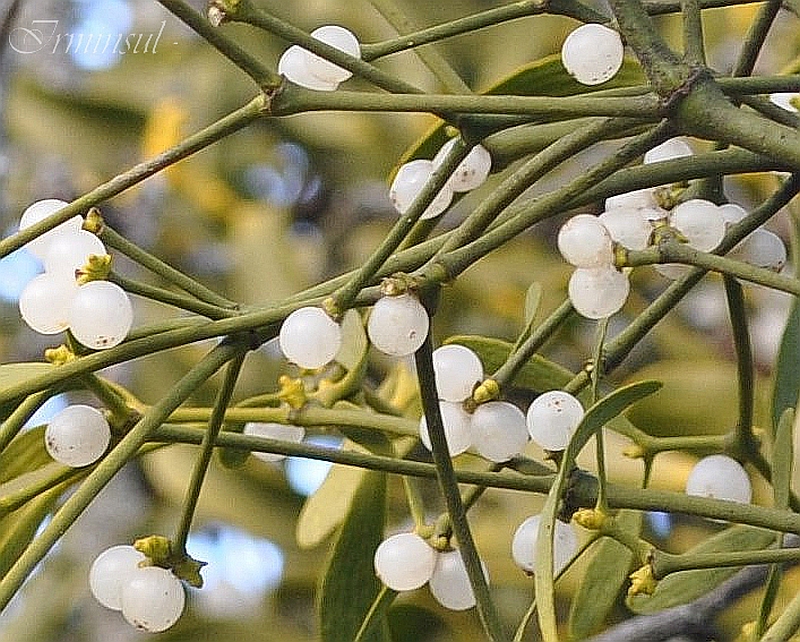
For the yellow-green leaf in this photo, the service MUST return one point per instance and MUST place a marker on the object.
(787, 375)
(782, 456)
(14, 374)
(25, 453)
(685, 586)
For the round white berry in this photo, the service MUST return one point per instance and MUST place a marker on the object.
(457, 370)
(499, 430)
(77, 436)
(404, 562)
(309, 337)
(720, 477)
(787, 100)
(672, 148)
(100, 315)
(292, 65)
(273, 431)
(592, 54)
(762, 248)
(471, 172)
(599, 292)
(584, 242)
(552, 419)
(637, 199)
(45, 302)
(700, 221)
(110, 571)
(152, 599)
(39, 211)
(627, 227)
(523, 545)
(70, 252)
(449, 583)
(339, 38)
(457, 430)
(732, 213)
(398, 325)
(408, 183)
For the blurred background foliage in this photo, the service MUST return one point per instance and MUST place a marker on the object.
(282, 205)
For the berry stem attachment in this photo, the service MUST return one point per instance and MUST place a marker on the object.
(449, 487)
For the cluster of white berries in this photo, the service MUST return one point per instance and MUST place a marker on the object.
(313, 72)
(412, 177)
(77, 436)
(719, 477)
(592, 53)
(150, 598)
(99, 314)
(405, 562)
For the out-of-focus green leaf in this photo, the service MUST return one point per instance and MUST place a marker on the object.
(543, 77)
(349, 586)
(605, 576)
(593, 421)
(14, 374)
(538, 373)
(685, 586)
(18, 528)
(533, 299)
(782, 456)
(787, 374)
(354, 341)
(24, 454)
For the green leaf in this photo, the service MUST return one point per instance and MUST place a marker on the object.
(349, 586)
(787, 374)
(538, 373)
(543, 77)
(354, 341)
(595, 418)
(18, 528)
(605, 577)
(685, 586)
(25, 453)
(14, 374)
(782, 456)
(533, 298)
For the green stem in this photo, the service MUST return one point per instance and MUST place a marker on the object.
(115, 240)
(215, 422)
(127, 448)
(110, 397)
(415, 505)
(224, 127)
(37, 482)
(175, 299)
(693, 46)
(228, 47)
(787, 623)
(756, 35)
(665, 563)
(596, 374)
(759, 84)
(449, 487)
(22, 413)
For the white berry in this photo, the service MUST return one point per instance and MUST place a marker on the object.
(584, 242)
(292, 65)
(286, 432)
(499, 430)
(152, 599)
(553, 418)
(471, 172)
(720, 477)
(449, 583)
(70, 252)
(637, 199)
(309, 337)
(398, 325)
(39, 211)
(77, 436)
(627, 227)
(110, 571)
(408, 183)
(45, 302)
(732, 213)
(672, 148)
(457, 430)
(598, 292)
(457, 370)
(404, 562)
(762, 248)
(592, 54)
(523, 545)
(100, 315)
(700, 221)
(340, 38)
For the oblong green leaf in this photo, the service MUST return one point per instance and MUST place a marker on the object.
(349, 586)
(25, 453)
(685, 586)
(782, 457)
(787, 375)
(14, 374)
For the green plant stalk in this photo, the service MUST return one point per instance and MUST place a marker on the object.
(115, 240)
(665, 563)
(769, 109)
(449, 488)
(416, 507)
(583, 488)
(759, 84)
(224, 127)
(344, 296)
(42, 480)
(544, 108)
(755, 37)
(430, 57)
(223, 400)
(600, 451)
(263, 76)
(480, 20)
(24, 411)
(110, 397)
(787, 623)
(661, 7)
(175, 299)
(127, 448)
(693, 44)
